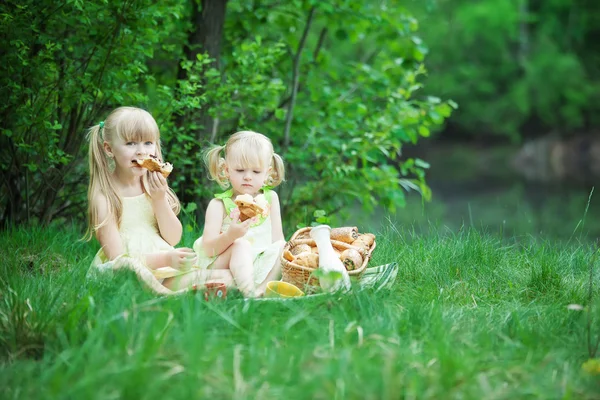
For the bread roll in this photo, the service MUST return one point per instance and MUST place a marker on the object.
(361, 246)
(303, 235)
(309, 260)
(301, 248)
(352, 259)
(347, 234)
(288, 255)
(364, 242)
(367, 238)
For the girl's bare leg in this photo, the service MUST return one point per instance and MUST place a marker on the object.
(200, 277)
(273, 275)
(241, 268)
(222, 261)
(233, 267)
(218, 272)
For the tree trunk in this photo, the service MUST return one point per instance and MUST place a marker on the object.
(208, 18)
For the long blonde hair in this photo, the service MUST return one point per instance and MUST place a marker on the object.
(128, 124)
(248, 149)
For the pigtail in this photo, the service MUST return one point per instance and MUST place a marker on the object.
(100, 183)
(173, 201)
(216, 165)
(97, 159)
(278, 173)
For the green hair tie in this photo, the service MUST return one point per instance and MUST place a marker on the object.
(101, 124)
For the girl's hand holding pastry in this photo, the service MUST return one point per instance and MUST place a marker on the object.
(238, 228)
(156, 185)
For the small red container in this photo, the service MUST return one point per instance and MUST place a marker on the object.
(215, 291)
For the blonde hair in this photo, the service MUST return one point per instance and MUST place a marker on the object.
(128, 124)
(247, 149)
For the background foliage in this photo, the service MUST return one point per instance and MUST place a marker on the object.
(64, 66)
(518, 68)
(334, 84)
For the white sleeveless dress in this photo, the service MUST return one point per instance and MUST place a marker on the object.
(265, 253)
(139, 235)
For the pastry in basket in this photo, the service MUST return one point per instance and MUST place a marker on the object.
(309, 260)
(301, 248)
(288, 255)
(352, 259)
(364, 241)
(367, 238)
(153, 163)
(249, 208)
(337, 251)
(347, 234)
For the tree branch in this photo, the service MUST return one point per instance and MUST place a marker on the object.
(285, 101)
(319, 45)
(296, 78)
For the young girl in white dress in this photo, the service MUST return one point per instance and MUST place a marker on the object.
(250, 249)
(132, 211)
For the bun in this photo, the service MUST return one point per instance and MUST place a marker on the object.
(352, 259)
(309, 260)
(248, 207)
(347, 234)
(301, 248)
(153, 163)
(366, 238)
(288, 256)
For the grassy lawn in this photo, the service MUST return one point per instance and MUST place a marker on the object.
(471, 316)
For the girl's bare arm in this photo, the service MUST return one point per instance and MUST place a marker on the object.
(213, 241)
(168, 224)
(108, 235)
(276, 226)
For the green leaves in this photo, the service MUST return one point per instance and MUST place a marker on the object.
(532, 64)
(65, 67)
(355, 109)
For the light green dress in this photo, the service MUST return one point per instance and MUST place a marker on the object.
(139, 235)
(265, 253)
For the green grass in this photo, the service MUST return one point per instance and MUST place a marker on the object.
(471, 316)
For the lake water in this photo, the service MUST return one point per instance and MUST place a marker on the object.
(479, 188)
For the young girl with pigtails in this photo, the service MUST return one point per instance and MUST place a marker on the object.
(131, 210)
(250, 249)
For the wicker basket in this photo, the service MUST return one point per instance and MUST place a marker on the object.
(302, 276)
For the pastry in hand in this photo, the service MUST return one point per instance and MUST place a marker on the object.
(247, 206)
(153, 163)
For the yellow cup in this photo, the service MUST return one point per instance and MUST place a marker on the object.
(282, 290)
